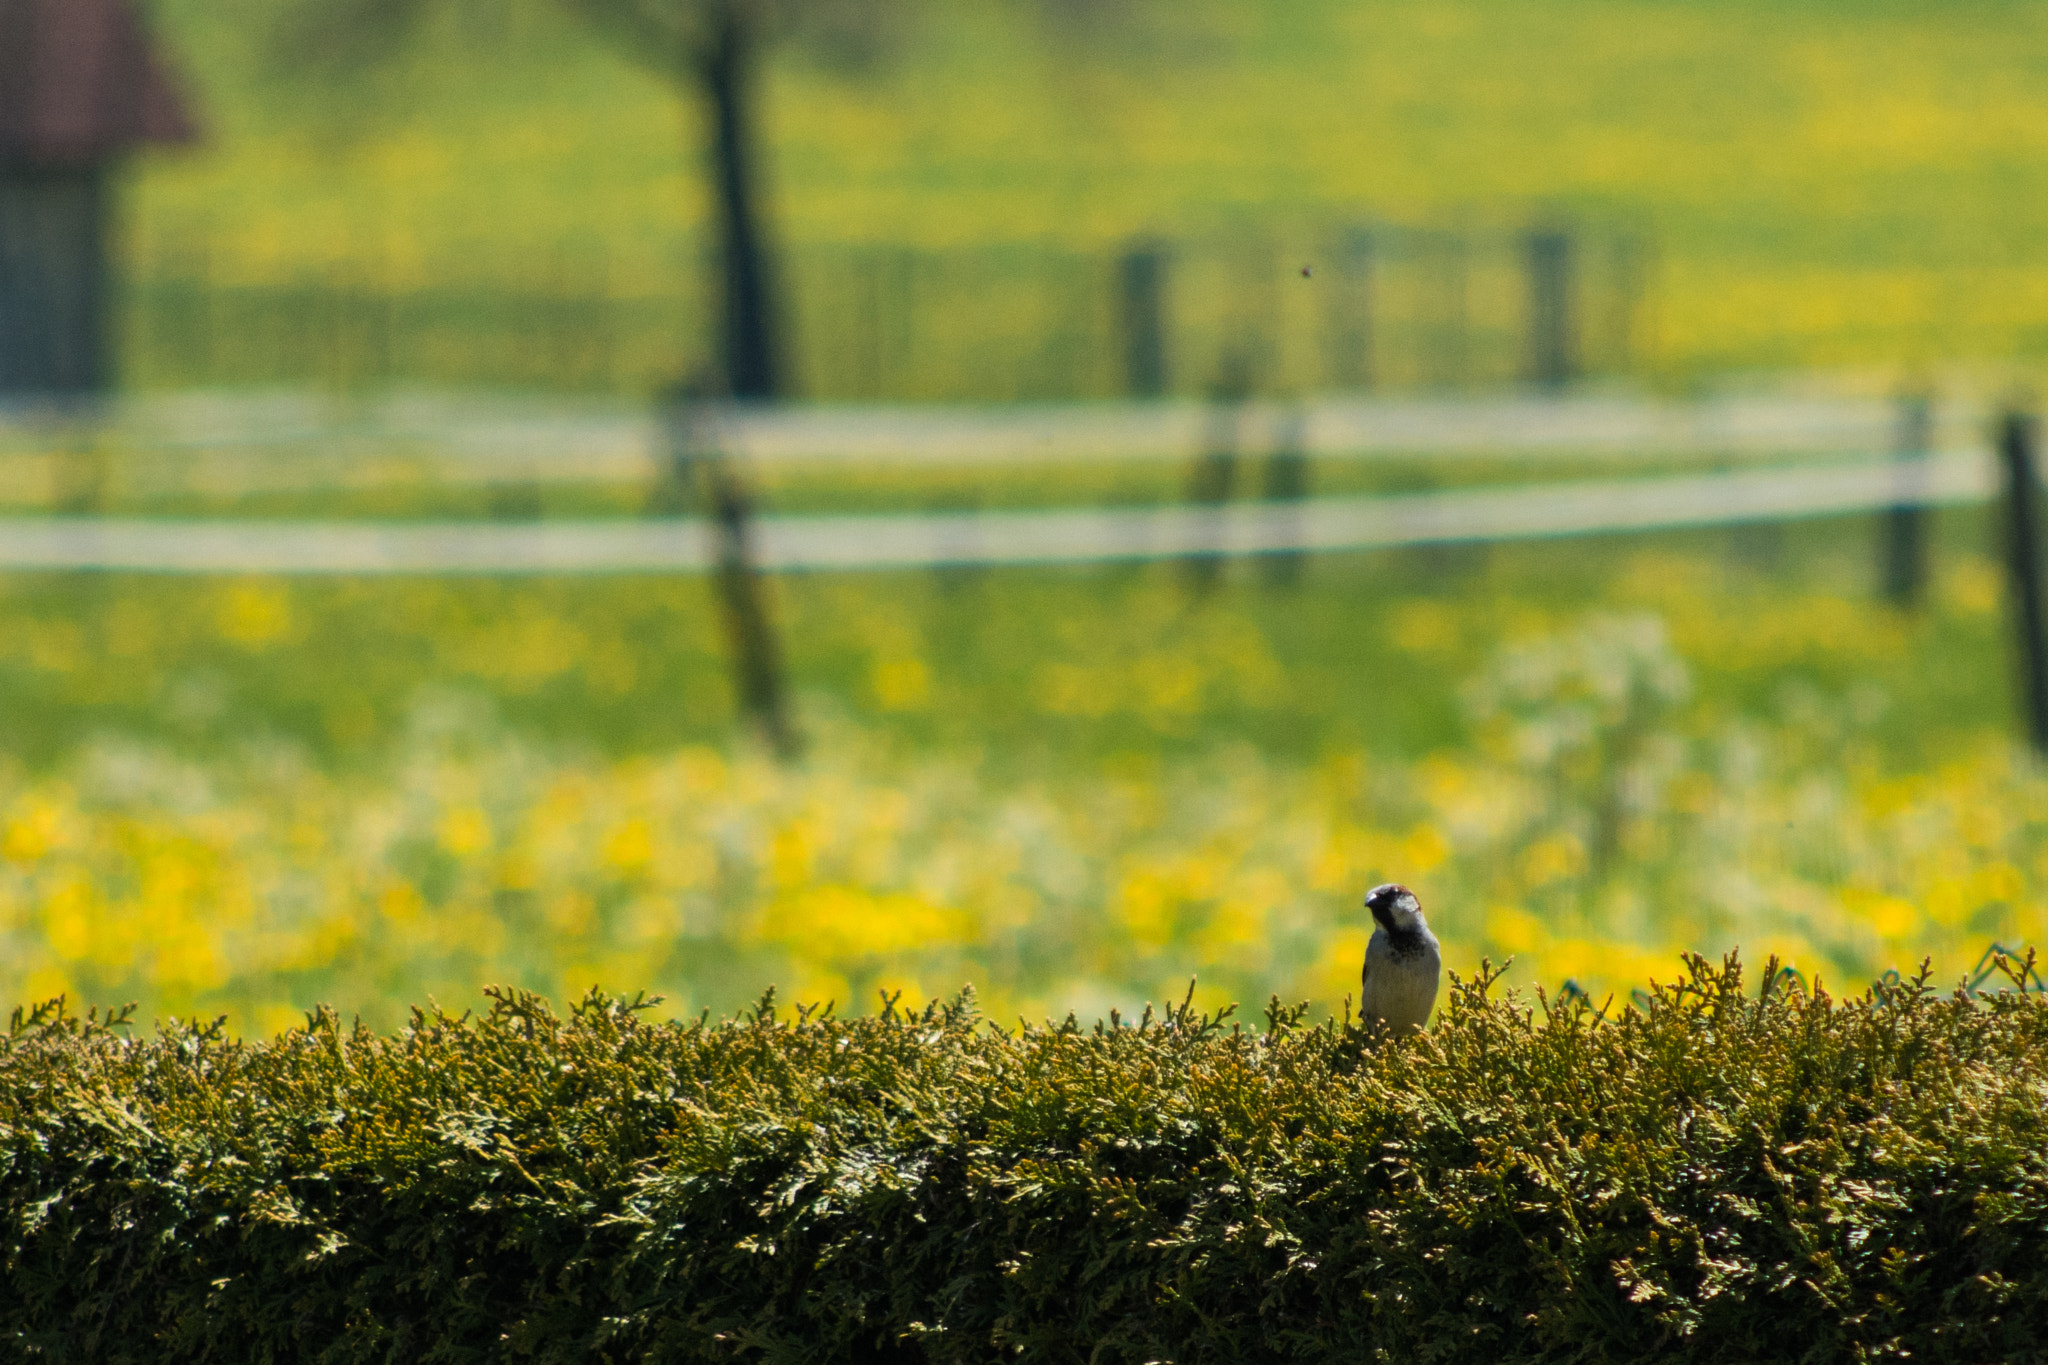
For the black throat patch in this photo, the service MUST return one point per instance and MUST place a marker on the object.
(1401, 942)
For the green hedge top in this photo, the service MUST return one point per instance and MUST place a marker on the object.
(1712, 1174)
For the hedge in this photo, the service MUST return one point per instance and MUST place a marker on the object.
(1713, 1173)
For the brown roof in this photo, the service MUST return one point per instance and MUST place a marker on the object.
(78, 81)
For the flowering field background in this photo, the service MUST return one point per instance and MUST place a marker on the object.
(1073, 789)
(1828, 184)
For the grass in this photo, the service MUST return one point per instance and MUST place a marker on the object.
(1830, 185)
(1072, 788)
(1069, 786)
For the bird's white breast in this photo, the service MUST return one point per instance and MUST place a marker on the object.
(1400, 990)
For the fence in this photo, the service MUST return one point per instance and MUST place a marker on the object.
(1776, 457)
(924, 540)
(228, 445)
(1858, 457)
(1351, 306)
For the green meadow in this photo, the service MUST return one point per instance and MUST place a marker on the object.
(1074, 788)
(1827, 184)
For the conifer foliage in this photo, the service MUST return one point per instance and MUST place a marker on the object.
(1713, 1173)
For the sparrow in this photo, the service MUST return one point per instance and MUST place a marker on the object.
(1402, 961)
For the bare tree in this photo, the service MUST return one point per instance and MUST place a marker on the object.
(711, 48)
(714, 50)
(714, 47)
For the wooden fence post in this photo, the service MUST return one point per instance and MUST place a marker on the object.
(697, 460)
(2017, 442)
(1285, 484)
(1553, 324)
(1214, 476)
(1141, 278)
(1905, 540)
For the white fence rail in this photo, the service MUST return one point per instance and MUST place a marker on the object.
(227, 444)
(794, 543)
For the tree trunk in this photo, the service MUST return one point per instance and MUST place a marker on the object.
(699, 470)
(751, 368)
(757, 654)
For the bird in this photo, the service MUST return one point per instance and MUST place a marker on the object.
(1402, 961)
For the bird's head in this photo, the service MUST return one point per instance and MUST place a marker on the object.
(1395, 907)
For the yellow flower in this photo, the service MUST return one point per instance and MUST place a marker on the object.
(1971, 586)
(902, 684)
(1423, 627)
(1516, 931)
(69, 919)
(403, 904)
(465, 831)
(256, 615)
(629, 847)
(32, 832)
(1145, 904)
(1423, 851)
(835, 923)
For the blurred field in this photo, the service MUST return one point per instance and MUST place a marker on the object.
(1076, 787)
(1072, 788)
(1829, 185)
